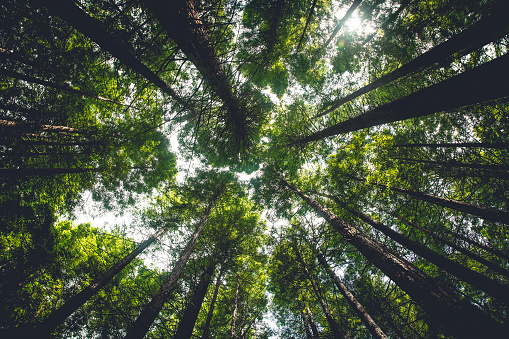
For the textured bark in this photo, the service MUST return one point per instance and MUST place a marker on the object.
(23, 127)
(456, 315)
(485, 213)
(186, 325)
(494, 267)
(183, 25)
(478, 280)
(61, 87)
(370, 324)
(233, 328)
(486, 30)
(58, 317)
(210, 313)
(458, 91)
(97, 32)
(152, 309)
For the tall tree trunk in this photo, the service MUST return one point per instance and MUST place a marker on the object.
(485, 213)
(308, 20)
(312, 322)
(498, 145)
(48, 325)
(457, 315)
(8, 125)
(476, 257)
(370, 324)
(478, 280)
(487, 248)
(341, 23)
(61, 87)
(458, 91)
(152, 309)
(97, 32)
(186, 325)
(210, 313)
(184, 26)
(486, 30)
(454, 163)
(333, 325)
(29, 172)
(233, 328)
(305, 324)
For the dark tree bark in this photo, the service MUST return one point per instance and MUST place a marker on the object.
(210, 313)
(486, 30)
(308, 20)
(478, 280)
(485, 247)
(184, 26)
(365, 317)
(468, 253)
(456, 315)
(97, 32)
(458, 91)
(485, 213)
(305, 324)
(498, 145)
(312, 322)
(186, 325)
(333, 325)
(457, 164)
(16, 126)
(48, 325)
(30, 172)
(150, 312)
(61, 87)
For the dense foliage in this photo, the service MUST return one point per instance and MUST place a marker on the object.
(373, 133)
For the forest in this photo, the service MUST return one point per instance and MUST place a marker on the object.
(274, 169)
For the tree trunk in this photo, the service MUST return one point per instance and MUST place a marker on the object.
(390, 19)
(486, 30)
(312, 322)
(23, 127)
(235, 310)
(184, 26)
(305, 324)
(487, 248)
(458, 316)
(370, 324)
(61, 87)
(29, 172)
(458, 91)
(458, 248)
(457, 164)
(478, 280)
(341, 23)
(498, 145)
(150, 312)
(186, 325)
(48, 325)
(97, 32)
(210, 313)
(485, 213)
(308, 20)
(333, 325)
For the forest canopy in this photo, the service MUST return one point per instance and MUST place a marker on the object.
(284, 168)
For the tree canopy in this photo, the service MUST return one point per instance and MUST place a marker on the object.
(284, 168)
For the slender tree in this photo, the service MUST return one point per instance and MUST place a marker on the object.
(458, 316)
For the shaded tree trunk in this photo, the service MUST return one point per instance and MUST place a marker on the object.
(487, 248)
(457, 164)
(233, 328)
(308, 20)
(97, 32)
(486, 30)
(8, 125)
(61, 87)
(312, 322)
(458, 91)
(370, 324)
(305, 324)
(184, 26)
(499, 145)
(152, 309)
(333, 325)
(457, 315)
(186, 325)
(458, 248)
(210, 313)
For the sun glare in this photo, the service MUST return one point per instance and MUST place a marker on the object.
(353, 23)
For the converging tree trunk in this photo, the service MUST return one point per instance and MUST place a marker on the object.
(341, 23)
(486, 30)
(184, 26)
(453, 163)
(190, 315)
(152, 309)
(210, 313)
(370, 324)
(233, 326)
(20, 127)
(97, 32)
(457, 315)
(458, 91)
(499, 145)
(312, 322)
(477, 244)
